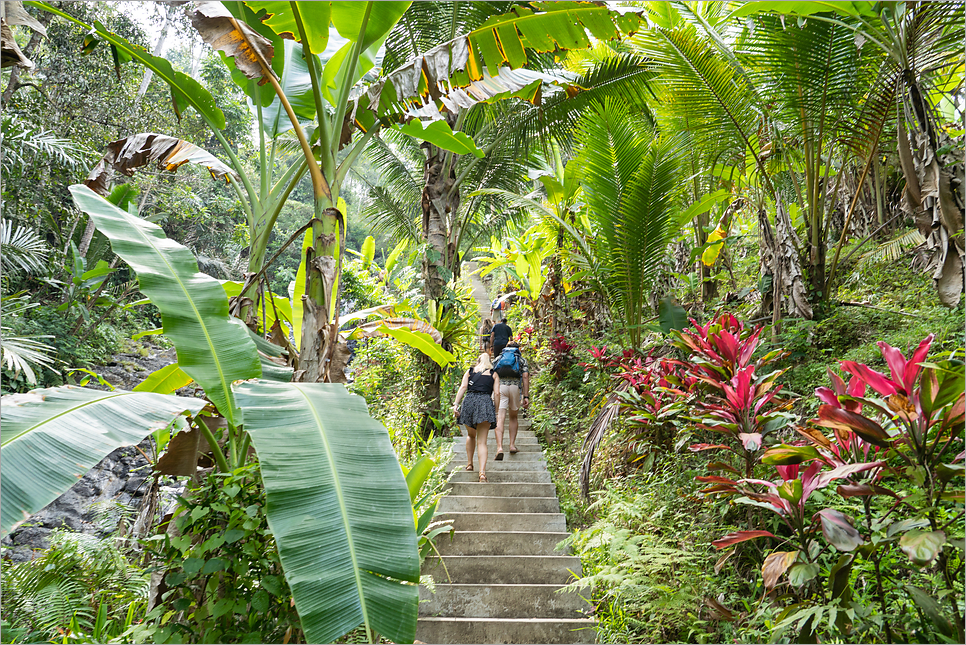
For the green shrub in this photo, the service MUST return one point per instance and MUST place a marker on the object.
(81, 589)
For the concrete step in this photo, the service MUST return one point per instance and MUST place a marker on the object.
(502, 601)
(491, 434)
(492, 504)
(536, 522)
(501, 543)
(460, 453)
(505, 630)
(502, 569)
(502, 489)
(491, 444)
(498, 476)
(494, 466)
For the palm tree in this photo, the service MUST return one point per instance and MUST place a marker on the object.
(630, 176)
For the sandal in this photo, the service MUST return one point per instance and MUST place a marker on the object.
(470, 468)
(499, 456)
(483, 478)
(513, 451)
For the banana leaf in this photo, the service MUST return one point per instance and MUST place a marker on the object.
(213, 348)
(51, 437)
(338, 506)
(165, 380)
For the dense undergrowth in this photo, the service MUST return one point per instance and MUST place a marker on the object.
(644, 533)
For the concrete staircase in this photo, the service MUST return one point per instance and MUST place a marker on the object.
(501, 571)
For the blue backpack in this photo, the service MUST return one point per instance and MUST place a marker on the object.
(508, 365)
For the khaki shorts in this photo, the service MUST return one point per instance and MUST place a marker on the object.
(510, 397)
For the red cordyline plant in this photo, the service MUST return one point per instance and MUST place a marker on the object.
(742, 403)
(652, 393)
(909, 429)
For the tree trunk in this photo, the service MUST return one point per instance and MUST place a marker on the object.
(158, 48)
(441, 263)
(556, 270)
(319, 326)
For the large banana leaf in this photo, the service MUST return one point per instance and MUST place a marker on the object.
(338, 506)
(213, 348)
(501, 41)
(51, 437)
(296, 83)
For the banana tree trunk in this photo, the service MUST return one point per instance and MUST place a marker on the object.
(320, 321)
(441, 263)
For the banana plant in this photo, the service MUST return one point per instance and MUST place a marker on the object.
(351, 555)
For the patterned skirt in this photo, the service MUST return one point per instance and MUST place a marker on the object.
(477, 408)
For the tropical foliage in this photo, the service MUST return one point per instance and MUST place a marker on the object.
(252, 242)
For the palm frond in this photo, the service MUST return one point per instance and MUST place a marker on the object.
(394, 206)
(891, 250)
(630, 178)
(703, 87)
(25, 143)
(21, 248)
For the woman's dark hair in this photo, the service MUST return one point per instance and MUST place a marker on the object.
(513, 343)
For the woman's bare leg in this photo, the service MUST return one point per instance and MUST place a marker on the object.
(481, 431)
(471, 443)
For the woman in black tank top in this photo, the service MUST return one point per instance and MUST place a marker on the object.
(481, 387)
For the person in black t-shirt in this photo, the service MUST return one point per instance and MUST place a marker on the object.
(499, 337)
(481, 385)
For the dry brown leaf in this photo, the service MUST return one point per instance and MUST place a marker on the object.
(128, 154)
(181, 457)
(775, 565)
(251, 51)
(721, 561)
(10, 54)
(17, 15)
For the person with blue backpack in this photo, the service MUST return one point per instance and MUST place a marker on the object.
(514, 375)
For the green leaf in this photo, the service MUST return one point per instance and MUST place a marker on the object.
(671, 315)
(147, 332)
(165, 380)
(271, 370)
(368, 251)
(51, 437)
(214, 349)
(184, 89)
(192, 566)
(785, 455)
(791, 490)
(805, 8)
(922, 547)
(839, 531)
(394, 255)
(800, 573)
(931, 608)
(383, 16)
(281, 16)
(296, 84)
(442, 136)
(260, 601)
(421, 341)
(417, 475)
(338, 507)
